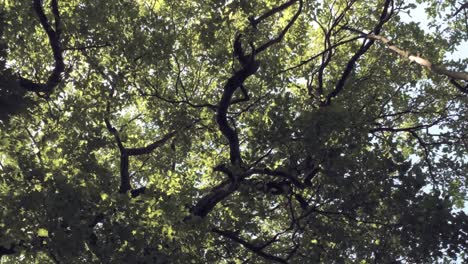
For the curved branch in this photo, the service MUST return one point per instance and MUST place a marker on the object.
(217, 194)
(249, 67)
(54, 40)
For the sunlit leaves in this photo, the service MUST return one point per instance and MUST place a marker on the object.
(375, 176)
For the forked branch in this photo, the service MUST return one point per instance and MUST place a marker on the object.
(385, 16)
(125, 153)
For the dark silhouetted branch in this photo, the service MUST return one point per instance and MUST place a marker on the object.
(464, 6)
(461, 88)
(249, 67)
(7, 251)
(280, 174)
(216, 195)
(54, 40)
(273, 11)
(125, 153)
(149, 148)
(257, 249)
(284, 31)
(386, 14)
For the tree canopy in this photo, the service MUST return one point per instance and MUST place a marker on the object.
(275, 131)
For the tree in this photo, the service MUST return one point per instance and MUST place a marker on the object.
(158, 131)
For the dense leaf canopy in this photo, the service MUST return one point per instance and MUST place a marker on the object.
(300, 131)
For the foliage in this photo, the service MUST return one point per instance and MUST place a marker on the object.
(161, 131)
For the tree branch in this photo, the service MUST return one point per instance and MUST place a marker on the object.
(461, 88)
(7, 251)
(149, 148)
(386, 14)
(464, 6)
(281, 174)
(216, 195)
(272, 12)
(254, 248)
(125, 153)
(284, 31)
(54, 40)
(454, 75)
(249, 67)
(327, 56)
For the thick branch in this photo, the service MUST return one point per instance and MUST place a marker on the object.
(461, 88)
(249, 67)
(226, 188)
(125, 184)
(7, 251)
(54, 41)
(217, 194)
